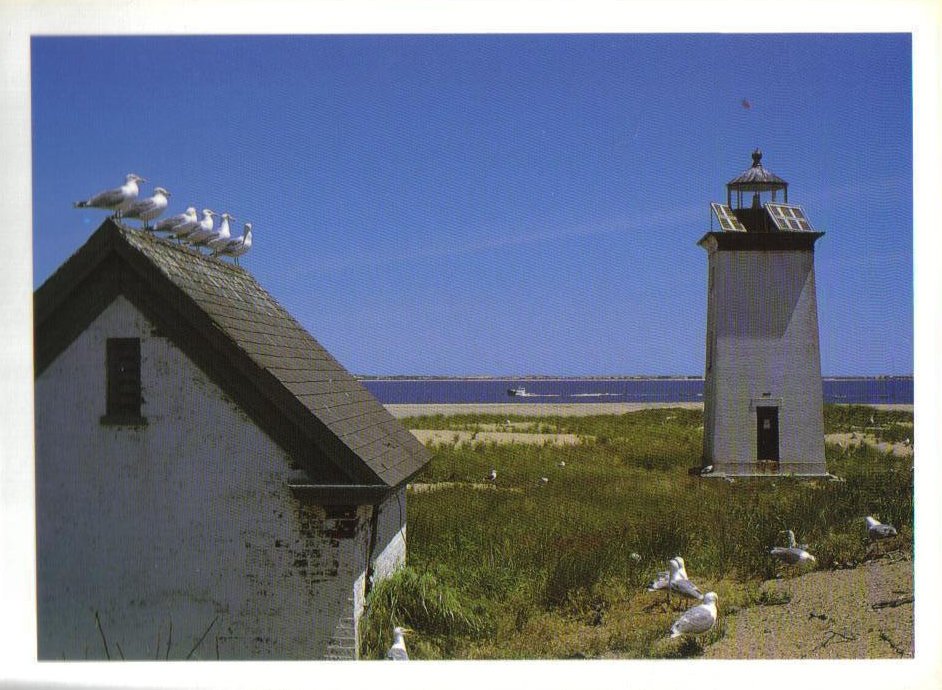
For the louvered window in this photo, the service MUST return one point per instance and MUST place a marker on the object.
(123, 405)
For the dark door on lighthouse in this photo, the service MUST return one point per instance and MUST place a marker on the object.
(767, 433)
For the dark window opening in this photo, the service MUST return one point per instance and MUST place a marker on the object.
(767, 433)
(123, 369)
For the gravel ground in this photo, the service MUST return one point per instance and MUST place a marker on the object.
(831, 615)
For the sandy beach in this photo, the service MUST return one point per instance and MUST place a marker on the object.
(550, 409)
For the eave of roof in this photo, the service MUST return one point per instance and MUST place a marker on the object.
(244, 340)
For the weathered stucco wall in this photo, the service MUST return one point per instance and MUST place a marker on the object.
(185, 525)
(762, 328)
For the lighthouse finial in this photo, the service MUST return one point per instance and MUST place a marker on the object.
(756, 157)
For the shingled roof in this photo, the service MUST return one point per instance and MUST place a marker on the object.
(245, 341)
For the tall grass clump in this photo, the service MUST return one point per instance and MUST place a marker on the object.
(422, 601)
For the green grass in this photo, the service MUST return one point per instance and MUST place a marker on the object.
(523, 571)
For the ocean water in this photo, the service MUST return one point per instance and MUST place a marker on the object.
(417, 391)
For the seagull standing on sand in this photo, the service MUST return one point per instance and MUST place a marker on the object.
(877, 530)
(179, 225)
(238, 246)
(698, 619)
(149, 208)
(398, 650)
(222, 237)
(117, 199)
(204, 229)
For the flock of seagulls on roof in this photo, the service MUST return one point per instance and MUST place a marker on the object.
(184, 227)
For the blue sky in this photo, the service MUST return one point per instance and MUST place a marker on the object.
(498, 204)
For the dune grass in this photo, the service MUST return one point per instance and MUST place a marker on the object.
(521, 570)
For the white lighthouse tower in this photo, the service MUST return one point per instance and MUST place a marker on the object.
(763, 402)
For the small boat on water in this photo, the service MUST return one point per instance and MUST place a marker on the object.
(517, 392)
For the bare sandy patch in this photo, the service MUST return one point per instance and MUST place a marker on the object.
(854, 439)
(431, 437)
(478, 486)
(863, 612)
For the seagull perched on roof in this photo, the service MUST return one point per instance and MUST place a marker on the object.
(222, 236)
(180, 225)
(117, 199)
(698, 619)
(238, 246)
(398, 650)
(149, 208)
(204, 229)
(877, 530)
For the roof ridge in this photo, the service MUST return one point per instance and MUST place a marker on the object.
(271, 351)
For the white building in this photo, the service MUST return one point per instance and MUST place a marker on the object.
(763, 400)
(210, 482)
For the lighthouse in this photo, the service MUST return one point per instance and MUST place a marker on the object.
(762, 401)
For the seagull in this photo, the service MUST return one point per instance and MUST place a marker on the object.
(877, 530)
(663, 578)
(543, 481)
(706, 470)
(792, 542)
(204, 230)
(561, 463)
(222, 237)
(492, 477)
(698, 619)
(792, 555)
(679, 582)
(681, 568)
(238, 246)
(149, 208)
(635, 556)
(117, 199)
(398, 650)
(179, 225)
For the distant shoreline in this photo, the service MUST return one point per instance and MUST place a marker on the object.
(537, 377)
(548, 409)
